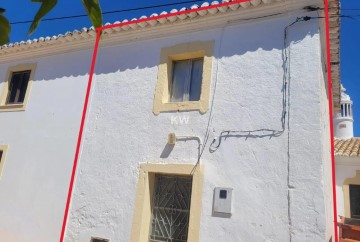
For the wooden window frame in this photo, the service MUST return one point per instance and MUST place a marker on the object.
(188, 82)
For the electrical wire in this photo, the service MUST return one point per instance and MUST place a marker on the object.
(259, 133)
(227, 133)
(275, 133)
(107, 12)
(158, 6)
(265, 132)
(207, 131)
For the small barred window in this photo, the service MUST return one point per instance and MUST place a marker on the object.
(171, 208)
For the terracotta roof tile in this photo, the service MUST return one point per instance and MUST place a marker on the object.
(348, 147)
(90, 32)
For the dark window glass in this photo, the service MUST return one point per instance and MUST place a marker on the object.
(355, 201)
(171, 208)
(346, 110)
(99, 240)
(1, 153)
(223, 194)
(17, 87)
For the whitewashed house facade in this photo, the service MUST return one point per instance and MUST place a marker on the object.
(209, 126)
(347, 154)
(38, 140)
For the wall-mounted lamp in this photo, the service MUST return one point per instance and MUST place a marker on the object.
(171, 139)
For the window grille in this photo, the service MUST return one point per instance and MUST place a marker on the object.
(355, 201)
(17, 87)
(186, 80)
(171, 208)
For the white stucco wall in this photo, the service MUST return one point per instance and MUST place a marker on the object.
(308, 158)
(346, 168)
(278, 182)
(42, 140)
(326, 142)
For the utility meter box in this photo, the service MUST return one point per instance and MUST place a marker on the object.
(222, 202)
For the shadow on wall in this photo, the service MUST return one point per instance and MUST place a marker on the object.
(57, 67)
(167, 150)
(236, 40)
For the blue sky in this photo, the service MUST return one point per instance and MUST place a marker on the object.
(350, 30)
(74, 7)
(349, 59)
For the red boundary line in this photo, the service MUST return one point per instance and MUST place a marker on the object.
(93, 62)
(330, 97)
(76, 158)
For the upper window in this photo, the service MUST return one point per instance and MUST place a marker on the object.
(354, 201)
(184, 77)
(186, 80)
(16, 88)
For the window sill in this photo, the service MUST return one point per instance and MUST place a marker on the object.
(12, 108)
(201, 106)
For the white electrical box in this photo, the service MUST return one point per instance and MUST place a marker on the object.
(222, 202)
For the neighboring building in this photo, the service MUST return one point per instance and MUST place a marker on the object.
(39, 123)
(343, 121)
(207, 126)
(347, 156)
